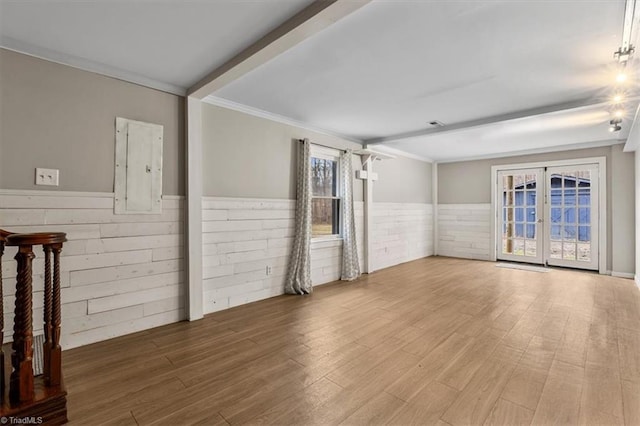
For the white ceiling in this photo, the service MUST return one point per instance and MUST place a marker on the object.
(166, 44)
(577, 128)
(386, 70)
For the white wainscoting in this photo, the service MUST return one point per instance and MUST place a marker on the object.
(241, 238)
(244, 236)
(464, 230)
(401, 232)
(119, 273)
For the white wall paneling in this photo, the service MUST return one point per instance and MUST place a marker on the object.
(119, 273)
(401, 232)
(242, 237)
(126, 273)
(464, 230)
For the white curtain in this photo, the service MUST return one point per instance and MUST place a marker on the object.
(299, 272)
(350, 265)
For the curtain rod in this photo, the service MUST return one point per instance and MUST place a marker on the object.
(325, 146)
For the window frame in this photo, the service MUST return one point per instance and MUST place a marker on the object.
(325, 153)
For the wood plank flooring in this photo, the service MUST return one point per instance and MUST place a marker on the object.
(436, 341)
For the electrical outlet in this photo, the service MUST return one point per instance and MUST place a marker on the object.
(47, 177)
(269, 270)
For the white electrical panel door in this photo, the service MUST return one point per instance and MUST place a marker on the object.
(138, 183)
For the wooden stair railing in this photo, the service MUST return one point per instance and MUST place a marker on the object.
(28, 396)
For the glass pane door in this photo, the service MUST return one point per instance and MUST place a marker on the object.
(572, 206)
(520, 194)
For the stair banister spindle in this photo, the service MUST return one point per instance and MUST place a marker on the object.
(56, 316)
(21, 384)
(3, 235)
(48, 301)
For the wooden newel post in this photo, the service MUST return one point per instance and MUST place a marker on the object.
(21, 388)
(22, 380)
(43, 396)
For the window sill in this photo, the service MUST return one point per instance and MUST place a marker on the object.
(326, 241)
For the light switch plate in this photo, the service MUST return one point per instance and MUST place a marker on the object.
(47, 177)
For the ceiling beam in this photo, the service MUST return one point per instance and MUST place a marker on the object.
(465, 125)
(308, 22)
(631, 17)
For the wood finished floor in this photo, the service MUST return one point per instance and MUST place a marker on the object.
(434, 342)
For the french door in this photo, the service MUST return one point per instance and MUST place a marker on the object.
(572, 212)
(520, 215)
(549, 215)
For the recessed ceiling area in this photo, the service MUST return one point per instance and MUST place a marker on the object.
(379, 75)
(575, 128)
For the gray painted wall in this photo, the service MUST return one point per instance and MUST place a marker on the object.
(402, 180)
(469, 182)
(623, 214)
(251, 157)
(59, 117)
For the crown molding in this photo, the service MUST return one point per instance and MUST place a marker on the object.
(225, 103)
(385, 149)
(18, 46)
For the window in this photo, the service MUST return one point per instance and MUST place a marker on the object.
(325, 190)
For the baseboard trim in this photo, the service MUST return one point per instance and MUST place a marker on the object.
(624, 275)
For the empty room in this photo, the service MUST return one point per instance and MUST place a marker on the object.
(320, 212)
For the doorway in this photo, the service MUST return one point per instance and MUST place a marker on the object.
(550, 214)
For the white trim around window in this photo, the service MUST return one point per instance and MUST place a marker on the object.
(330, 154)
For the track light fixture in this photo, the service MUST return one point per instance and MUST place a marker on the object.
(614, 125)
(623, 56)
